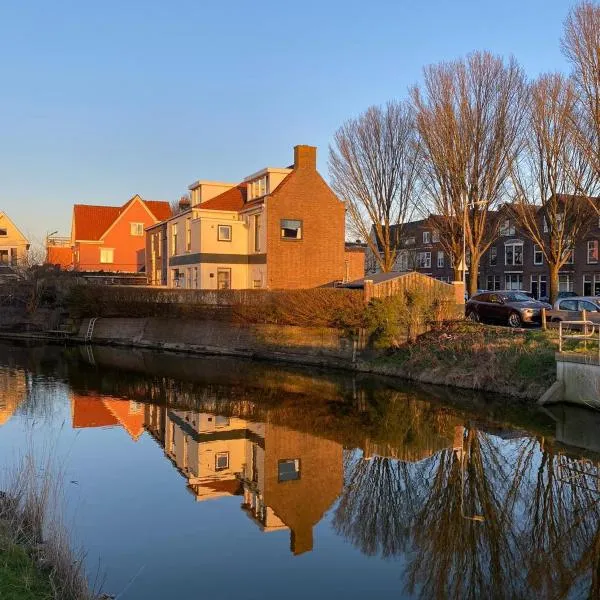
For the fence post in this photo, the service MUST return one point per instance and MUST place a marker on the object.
(544, 323)
(368, 290)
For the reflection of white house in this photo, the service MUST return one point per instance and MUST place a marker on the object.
(288, 479)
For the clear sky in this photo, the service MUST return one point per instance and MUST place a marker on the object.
(102, 100)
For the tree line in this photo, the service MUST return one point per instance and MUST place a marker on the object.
(475, 135)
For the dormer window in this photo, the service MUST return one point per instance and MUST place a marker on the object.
(258, 187)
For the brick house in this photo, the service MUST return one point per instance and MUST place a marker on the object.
(513, 262)
(279, 228)
(108, 238)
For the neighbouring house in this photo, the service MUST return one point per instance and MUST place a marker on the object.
(108, 238)
(513, 261)
(279, 228)
(14, 247)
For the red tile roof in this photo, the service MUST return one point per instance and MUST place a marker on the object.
(233, 199)
(91, 222)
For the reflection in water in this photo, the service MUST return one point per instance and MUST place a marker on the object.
(475, 507)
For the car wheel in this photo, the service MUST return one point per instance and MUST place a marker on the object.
(473, 316)
(514, 320)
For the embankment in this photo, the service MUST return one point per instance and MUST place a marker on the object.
(518, 364)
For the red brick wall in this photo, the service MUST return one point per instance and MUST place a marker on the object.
(355, 264)
(319, 257)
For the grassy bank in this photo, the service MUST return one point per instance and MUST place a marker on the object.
(36, 560)
(479, 357)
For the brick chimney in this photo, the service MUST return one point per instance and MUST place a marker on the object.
(305, 157)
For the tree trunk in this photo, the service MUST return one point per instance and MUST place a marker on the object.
(553, 282)
(458, 274)
(473, 272)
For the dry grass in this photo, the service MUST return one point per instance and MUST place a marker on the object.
(34, 545)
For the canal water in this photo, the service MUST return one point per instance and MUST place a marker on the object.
(204, 478)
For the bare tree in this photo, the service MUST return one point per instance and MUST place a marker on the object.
(468, 115)
(552, 175)
(581, 46)
(374, 169)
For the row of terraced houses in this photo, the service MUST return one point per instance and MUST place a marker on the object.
(278, 228)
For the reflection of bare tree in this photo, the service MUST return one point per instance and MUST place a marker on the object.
(378, 504)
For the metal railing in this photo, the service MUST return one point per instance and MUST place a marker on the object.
(585, 330)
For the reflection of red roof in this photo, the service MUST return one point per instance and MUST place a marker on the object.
(91, 222)
(233, 199)
(90, 411)
(104, 411)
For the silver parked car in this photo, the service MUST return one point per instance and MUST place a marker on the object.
(570, 309)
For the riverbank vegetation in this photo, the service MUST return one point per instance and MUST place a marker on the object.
(36, 559)
(474, 356)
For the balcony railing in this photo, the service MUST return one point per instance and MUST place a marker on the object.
(61, 242)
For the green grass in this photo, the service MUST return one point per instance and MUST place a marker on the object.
(20, 576)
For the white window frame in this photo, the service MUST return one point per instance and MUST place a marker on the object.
(427, 237)
(493, 254)
(173, 239)
(513, 245)
(568, 279)
(424, 260)
(435, 236)
(441, 259)
(227, 237)
(590, 245)
(537, 250)
(136, 229)
(103, 260)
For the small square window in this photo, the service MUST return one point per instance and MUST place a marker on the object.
(107, 255)
(137, 229)
(291, 229)
(3, 232)
(221, 461)
(224, 233)
(288, 470)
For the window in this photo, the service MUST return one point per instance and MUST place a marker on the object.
(107, 255)
(513, 281)
(3, 232)
(565, 282)
(493, 282)
(591, 285)
(223, 279)
(188, 235)
(570, 257)
(538, 256)
(545, 225)
(175, 278)
(592, 252)
(288, 470)
(221, 461)
(257, 284)
(440, 260)
(568, 305)
(539, 286)
(424, 260)
(196, 278)
(291, 229)
(136, 229)
(589, 306)
(224, 233)
(4, 257)
(256, 220)
(427, 237)
(173, 239)
(443, 279)
(493, 256)
(507, 228)
(513, 255)
(435, 236)
(403, 261)
(409, 241)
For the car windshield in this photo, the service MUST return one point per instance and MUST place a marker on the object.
(516, 297)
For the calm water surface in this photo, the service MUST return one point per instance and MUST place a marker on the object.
(197, 478)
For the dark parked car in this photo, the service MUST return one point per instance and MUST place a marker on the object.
(511, 308)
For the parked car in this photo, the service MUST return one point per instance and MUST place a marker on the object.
(560, 296)
(570, 309)
(511, 308)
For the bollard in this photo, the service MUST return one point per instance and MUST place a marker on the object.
(544, 325)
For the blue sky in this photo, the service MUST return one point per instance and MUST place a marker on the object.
(102, 100)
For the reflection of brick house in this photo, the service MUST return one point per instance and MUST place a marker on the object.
(108, 238)
(288, 479)
(279, 228)
(513, 262)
